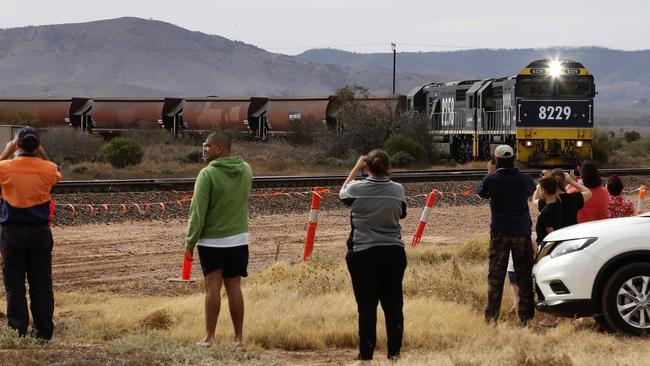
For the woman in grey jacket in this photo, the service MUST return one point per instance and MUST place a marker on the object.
(376, 259)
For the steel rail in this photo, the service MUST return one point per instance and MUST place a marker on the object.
(187, 184)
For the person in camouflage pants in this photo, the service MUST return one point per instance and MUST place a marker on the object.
(522, 256)
(510, 229)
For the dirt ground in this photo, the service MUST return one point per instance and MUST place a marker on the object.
(138, 258)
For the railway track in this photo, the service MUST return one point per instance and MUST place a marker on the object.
(187, 184)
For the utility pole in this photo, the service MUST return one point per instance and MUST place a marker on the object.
(394, 47)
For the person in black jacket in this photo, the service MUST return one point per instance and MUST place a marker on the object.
(510, 229)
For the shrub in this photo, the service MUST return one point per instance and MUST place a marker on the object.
(475, 248)
(21, 118)
(417, 126)
(122, 152)
(305, 131)
(402, 159)
(636, 149)
(149, 133)
(603, 145)
(66, 145)
(361, 128)
(399, 142)
(191, 157)
(600, 153)
(631, 136)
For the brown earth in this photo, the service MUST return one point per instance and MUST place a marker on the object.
(138, 257)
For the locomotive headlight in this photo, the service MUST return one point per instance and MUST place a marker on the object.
(529, 143)
(579, 143)
(555, 68)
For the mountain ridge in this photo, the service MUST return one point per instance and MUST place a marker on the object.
(138, 57)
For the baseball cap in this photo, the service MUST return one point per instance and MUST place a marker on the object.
(504, 151)
(28, 138)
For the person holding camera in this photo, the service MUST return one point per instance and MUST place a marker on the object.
(596, 207)
(376, 259)
(571, 202)
(26, 240)
(508, 190)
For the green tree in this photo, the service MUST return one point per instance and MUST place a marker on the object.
(401, 143)
(21, 118)
(122, 152)
(631, 136)
(359, 128)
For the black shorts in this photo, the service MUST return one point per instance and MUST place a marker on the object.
(234, 260)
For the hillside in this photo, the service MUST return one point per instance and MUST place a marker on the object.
(138, 57)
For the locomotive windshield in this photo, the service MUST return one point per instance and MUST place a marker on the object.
(528, 86)
(574, 87)
(534, 87)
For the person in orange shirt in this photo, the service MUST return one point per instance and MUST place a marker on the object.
(26, 240)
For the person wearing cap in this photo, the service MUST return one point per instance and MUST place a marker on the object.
(510, 230)
(26, 240)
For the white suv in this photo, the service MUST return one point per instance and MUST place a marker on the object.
(599, 269)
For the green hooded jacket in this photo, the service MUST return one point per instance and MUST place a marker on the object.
(220, 202)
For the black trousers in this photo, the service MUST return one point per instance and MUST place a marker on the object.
(377, 275)
(522, 258)
(27, 251)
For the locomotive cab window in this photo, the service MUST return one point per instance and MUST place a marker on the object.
(574, 87)
(534, 87)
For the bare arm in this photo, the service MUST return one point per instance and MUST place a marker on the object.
(537, 196)
(10, 149)
(361, 163)
(586, 193)
(538, 192)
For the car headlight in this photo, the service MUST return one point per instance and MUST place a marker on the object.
(570, 246)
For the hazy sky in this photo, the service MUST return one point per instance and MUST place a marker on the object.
(292, 26)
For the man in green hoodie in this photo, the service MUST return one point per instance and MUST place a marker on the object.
(218, 225)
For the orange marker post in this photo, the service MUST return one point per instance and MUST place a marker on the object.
(186, 273)
(639, 205)
(187, 269)
(312, 224)
(431, 200)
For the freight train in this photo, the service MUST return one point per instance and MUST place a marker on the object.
(545, 112)
(257, 116)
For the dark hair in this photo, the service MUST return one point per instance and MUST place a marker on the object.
(378, 162)
(558, 174)
(614, 185)
(28, 139)
(29, 144)
(506, 162)
(589, 174)
(549, 185)
(222, 138)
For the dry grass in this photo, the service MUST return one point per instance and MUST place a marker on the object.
(310, 306)
(178, 160)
